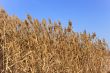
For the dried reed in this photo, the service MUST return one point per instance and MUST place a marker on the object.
(38, 48)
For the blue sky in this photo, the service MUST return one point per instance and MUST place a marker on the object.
(90, 15)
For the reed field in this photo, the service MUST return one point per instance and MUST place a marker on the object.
(33, 46)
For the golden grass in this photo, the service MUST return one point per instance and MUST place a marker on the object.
(33, 47)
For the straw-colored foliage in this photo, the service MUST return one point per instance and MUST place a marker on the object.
(31, 46)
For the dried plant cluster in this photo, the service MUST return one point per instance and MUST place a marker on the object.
(32, 47)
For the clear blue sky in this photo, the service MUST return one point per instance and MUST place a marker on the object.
(90, 15)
